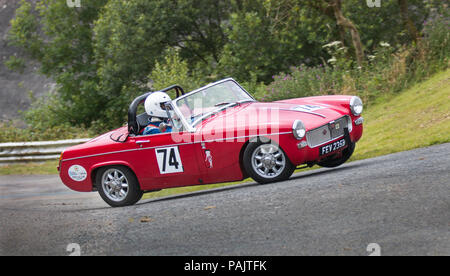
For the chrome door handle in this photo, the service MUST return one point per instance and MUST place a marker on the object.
(142, 141)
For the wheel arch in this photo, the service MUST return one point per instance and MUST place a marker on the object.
(97, 167)
(255, 139)
(241, 158)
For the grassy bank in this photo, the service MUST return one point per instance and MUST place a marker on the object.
(417, 117)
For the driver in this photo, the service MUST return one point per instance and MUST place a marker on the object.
(155, 107)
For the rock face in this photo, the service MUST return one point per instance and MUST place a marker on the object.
(14, 86)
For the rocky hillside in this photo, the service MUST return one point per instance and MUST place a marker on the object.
(15, 87)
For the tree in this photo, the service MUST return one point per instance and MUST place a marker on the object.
(173, 70)
(101, 54)
(391, 22)
(407, 21)
(270, 37)
(132, 36)
(60, 39)
(348, 24)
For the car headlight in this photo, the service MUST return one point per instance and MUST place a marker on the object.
(298, 129)
(356, 106)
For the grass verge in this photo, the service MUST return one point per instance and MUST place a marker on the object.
(31, 168)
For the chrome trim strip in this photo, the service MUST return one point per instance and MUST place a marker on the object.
(99, 154)
(241, 137)
(173, 145)
(307, 112)
(293, 110)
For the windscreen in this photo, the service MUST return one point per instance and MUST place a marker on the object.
(210, 99)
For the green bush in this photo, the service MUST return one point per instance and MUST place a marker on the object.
(386, 70)
(10, 132)
(434, 49)
(15, 64)
(172, 71)
(44, 121)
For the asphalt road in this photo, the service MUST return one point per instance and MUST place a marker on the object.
(399, 201)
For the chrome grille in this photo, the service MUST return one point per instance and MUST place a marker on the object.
(318, 136)
(328, 132)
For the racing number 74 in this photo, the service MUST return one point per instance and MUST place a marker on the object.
(169, 160)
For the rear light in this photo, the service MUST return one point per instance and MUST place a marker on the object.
(60, 159)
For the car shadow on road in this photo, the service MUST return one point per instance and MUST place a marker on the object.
(253, 184)
(300, 175)
(320, 171)
(199, 193)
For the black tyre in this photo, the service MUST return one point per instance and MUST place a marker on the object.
(118, 186)
(346, 154)
(266, 162)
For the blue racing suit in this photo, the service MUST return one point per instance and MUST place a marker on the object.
(153, 128)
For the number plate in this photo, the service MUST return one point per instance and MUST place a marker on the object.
(332, 147)
(169, 160)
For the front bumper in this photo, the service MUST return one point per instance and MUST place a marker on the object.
(301, 152)
(329, 132)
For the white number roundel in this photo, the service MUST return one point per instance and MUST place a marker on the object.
(77, 173)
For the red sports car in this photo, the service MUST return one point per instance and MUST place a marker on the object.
(219, 133)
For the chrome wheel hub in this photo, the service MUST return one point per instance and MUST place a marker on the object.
(268, 161)
(115, 184)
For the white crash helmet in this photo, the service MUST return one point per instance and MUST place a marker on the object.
(154, 104)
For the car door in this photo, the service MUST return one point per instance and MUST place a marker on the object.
(167, 162)
(219, 161)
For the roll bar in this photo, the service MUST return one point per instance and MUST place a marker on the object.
(133, 125)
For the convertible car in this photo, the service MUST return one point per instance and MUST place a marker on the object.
(220, 133)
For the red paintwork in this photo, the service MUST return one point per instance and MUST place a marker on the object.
(141, 159)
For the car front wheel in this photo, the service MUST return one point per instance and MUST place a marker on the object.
(267, 162)
(118, 186)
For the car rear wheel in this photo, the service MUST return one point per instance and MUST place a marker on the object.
(266, 162)
(118, 186)
(346, 154)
